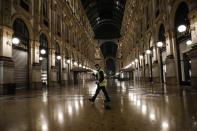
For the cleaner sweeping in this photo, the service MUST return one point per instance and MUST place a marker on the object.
(101, 84)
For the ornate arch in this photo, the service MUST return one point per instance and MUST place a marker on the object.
(47, 35)
(149, 37)
(27, 23)
(67, 54)
(60, 47)
(174, 9)
(161, 22)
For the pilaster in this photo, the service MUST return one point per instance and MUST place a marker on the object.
(36, 68)
(6, 62)
(156, 72)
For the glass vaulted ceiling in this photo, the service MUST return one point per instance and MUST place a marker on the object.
(105, 17)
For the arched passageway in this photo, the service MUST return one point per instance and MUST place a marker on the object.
(20, 54)
(184, 62)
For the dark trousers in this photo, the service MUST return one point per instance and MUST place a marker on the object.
(99, 88)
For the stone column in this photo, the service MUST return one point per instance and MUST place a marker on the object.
(64, 71)
(147, 73)
(193, 51)
(36, 68)
(146, 70)
(68, 70)
(141, 74)
(171, 76)
(6, 62)
(53, 71)
(155, 65)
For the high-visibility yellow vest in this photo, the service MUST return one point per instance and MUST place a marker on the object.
(104, 82)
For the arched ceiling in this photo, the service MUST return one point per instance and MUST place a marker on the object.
(105, 17)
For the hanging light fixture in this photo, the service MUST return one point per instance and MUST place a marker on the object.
(80, 65)
(182, 28)
(15, 41)
(43, 51)
(159, 44)
(136, 60)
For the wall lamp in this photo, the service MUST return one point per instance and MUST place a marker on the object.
(59, 57)
(159, 44)
(148, 52)
(15, 40)
(182, 28)
(141, 57)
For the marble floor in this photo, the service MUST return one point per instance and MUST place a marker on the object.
(134, 107)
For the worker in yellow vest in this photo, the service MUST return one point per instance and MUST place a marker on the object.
(101, 84)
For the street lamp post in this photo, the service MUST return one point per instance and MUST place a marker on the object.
(149, 52)
(160, 46)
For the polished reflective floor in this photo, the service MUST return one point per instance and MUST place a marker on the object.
(135, 107)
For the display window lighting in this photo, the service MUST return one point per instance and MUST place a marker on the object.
(182, 28)
(15, 41)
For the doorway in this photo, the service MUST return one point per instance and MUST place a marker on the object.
(20, 54)
(184, 62)
(44, 59)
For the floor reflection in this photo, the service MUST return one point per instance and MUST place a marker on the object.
(134, 107)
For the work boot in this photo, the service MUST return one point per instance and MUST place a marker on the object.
(91, 100)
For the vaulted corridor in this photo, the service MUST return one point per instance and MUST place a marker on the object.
(138, 56)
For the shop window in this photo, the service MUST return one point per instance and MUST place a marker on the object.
(43, 42)
(58, 25)
(24, 4)
(67, 54)
(73, 40)
(22, 33)
(45, 9)
(57, 49)
(67, 33)
(45, 13)
(157, 8)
